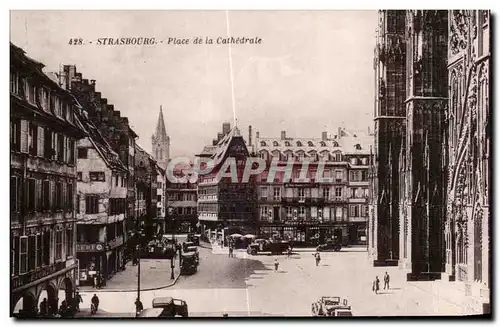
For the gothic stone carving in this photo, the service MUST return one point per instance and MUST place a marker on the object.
(458, 31)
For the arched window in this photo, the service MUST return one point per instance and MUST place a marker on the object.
(322, 143)
(262, 143)
(275, 143)
(357, 146)
(287, 143)
(263, 155)
(335, 144)
(310, 143)
(301, 155)
(161, 154)
(299, 143)
(289, 155)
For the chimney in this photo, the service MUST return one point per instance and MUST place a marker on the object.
(249, 135)
(226, 127)
(283, 135)
(257, 135)
(324, 136)
(219, 137)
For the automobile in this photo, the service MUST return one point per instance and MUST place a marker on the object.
(189, 264)
(331, 306)
(330, 245)
(158, 250)
(163, 307)
(191, 237)
(273, 246)
(192, 249)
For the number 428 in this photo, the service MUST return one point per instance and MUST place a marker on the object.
(75, 41)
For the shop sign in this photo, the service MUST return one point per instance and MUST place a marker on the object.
(89, 247)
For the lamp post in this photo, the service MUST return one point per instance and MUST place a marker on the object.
(172, 265)
(138, 253)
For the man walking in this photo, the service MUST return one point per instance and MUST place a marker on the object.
(376, 285)
(386, 280)
(276, 265)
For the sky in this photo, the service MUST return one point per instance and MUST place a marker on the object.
(312, 72)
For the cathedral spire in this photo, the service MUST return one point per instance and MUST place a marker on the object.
(161, 132)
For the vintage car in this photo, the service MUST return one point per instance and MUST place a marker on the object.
(189, 264)
(273, 246)
(164, 307)
(158, 250)
(191, 249)
(191, 237)
(330, 245)
(330, 306)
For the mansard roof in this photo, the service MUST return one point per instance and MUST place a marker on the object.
(102, 147)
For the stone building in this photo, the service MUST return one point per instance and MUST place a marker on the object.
(101, 205)
(182, 204)
(43, 170)
(145, 180)
(115, 129)
(308, 208)
(161, 199)
(390, 113)
(160, 143)
(444, 181)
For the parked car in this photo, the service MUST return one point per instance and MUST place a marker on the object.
(331, 306)
(330, 245)
(261, 245)
(189, 264)
(194, 238)
(165, 307)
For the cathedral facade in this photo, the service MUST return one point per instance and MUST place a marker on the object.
(438, 227)
(160, 142)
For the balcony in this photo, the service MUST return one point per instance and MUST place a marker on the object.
(358, 200)
(34, 275)
(358, 219)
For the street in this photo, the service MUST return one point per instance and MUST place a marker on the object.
(248, 286)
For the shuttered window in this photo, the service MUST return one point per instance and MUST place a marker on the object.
(23, 255)
(41, 141)
(24, 136)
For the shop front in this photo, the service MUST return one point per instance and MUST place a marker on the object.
(92, 260)
(304, 234)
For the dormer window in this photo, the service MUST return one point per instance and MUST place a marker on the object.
(299, 143)
(357, 146)
(262, 143)
(335, 144)
(310, 143)
(322, 143)
(287, 143)
(275, 143)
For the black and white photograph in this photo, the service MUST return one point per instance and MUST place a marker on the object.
(250, 163)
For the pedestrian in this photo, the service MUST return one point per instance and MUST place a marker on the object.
(138, 306)
(94, 281)
(276, 265)
(77, 299)
(317, 257)
(289, 252)
(386, 280)
(95, 302)
(43, 307)
(63, 309)
(231, 255)
(376, 285)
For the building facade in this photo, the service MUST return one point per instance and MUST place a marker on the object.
(101, 205)
(305, 207)
(43, 186)
(182, 205)
(444, 181)
(226, 205)
(161, 199)
(467, 142)
(390, 133)
(115, 130)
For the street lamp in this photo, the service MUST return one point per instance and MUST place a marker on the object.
(138, 254)
(172, 265)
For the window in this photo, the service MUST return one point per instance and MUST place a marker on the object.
(354, 161)
(353, 193)
(302, 211)
(31, 252)
(262, 143)
(23, 255)
(335, 144)
(338, 192)
(367, 192)
(96, 176)
(46, 195)
(59, 195)
(32, 139)
(60, 147)
(79, 176)
(23, 142)
(14, 82)
(364, 175)
(82, 153)
(322, 143)
(116, 181)
(44, 98)
(30, 194)
(64, 110)
(46, 248)
(59, 244)
(71, 151)
(301, 155)
(326, 193)
(69, 195)
(299, 143)
(40, 141)
(15, 189)
(48, 144)
(39, 251)
(15, 255)
(158, 198)
(302, 193)
(30, 92)
(338, 176)
(69, 242)
(277, 194)
(364, 161)
(15, 135)
(352, 211)
(357, 147)
(38, 195)
(338, 213)
(310, 143)
(91, 204)
(338, 156)
(275, 143)
(263, 193)
(287, 143)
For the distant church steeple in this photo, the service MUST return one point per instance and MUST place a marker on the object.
(161, 142)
